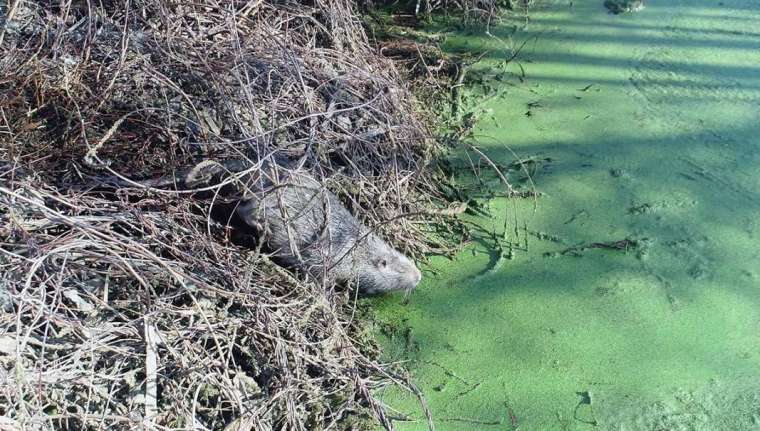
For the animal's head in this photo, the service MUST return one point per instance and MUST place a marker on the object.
(383, 269)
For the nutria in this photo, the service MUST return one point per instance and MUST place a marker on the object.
(306, 227)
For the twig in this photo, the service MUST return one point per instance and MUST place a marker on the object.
(151, 367)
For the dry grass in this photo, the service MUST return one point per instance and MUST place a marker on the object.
(133, 307)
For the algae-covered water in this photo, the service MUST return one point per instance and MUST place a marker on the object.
(642, 127)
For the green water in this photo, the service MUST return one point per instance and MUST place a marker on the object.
(663, 148)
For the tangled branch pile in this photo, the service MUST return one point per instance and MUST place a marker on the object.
(131, 306)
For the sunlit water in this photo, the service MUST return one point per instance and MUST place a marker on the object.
(646, 127)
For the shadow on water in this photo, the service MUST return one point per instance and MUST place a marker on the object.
(641, 34)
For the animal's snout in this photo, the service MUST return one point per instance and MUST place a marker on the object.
(417, 276)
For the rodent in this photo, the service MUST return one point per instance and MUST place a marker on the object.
(281, 202)
(306, 227)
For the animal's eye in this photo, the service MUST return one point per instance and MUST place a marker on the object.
(383, 263)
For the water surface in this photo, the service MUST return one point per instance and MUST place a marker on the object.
(644, 127)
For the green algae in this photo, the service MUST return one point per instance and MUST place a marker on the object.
(646, 125)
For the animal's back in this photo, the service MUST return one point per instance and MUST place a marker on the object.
(307, 227)
(303, 223)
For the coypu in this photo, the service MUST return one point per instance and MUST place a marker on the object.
(623, 6)
(306, 227)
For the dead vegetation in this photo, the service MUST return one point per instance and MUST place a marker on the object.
(130, 307)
